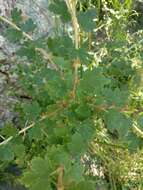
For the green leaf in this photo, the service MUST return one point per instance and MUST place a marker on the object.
(35, 133)
(134, 142)
(42, 184)
(9, 130)
(84, 185)
(74, 173)
(87, 130)
(86, 20)
(28, 26)
(116, 97)
(62, 63)
(13, 35)
(64, 46)
(33, 182)
(83, 55)
(38, 177)
(16, 15)
(6, 153)
(77, 145)
(19, 150)
(40, 166)
(27, 50)
(59, 7)
(83, 111)
(59, 156)
(117, 121)
(140, 121)
(55, 86)
(31, 110)
(93, 82)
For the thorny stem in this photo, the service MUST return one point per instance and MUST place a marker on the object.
(71, 4)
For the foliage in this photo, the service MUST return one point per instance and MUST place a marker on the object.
(84, 107)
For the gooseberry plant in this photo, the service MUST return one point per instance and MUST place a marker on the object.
(81, 94)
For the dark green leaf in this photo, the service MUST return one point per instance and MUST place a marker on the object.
(16, 15)
(93, 82)
(74, 173)
(83, 111)
(13, 35)
(28, 26)
(9, 130)
(117, 121)
(86, 19)
(77, 144)
(59, 7)
(38, 177)
(6, 153)
(116, 97)
(31, 111)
